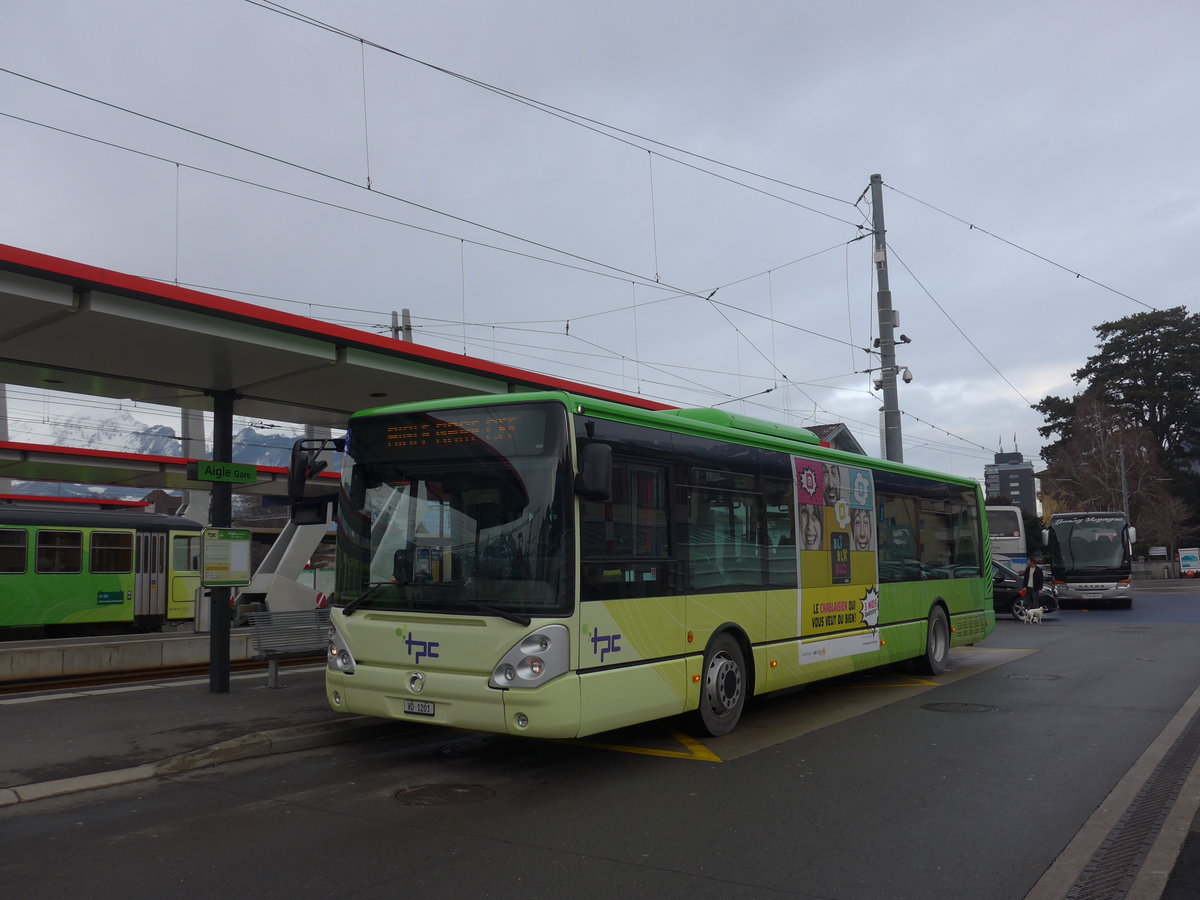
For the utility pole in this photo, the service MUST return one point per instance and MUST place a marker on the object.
(1124, 484)
(401, 332)
(893, 447)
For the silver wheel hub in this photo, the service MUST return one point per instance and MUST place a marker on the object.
(723, 683)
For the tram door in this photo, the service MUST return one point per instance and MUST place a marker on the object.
(151, 581)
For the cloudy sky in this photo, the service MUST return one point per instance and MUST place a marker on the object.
(563, 186)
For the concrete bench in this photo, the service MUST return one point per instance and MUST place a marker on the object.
(286, 635)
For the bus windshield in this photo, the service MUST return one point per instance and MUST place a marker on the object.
(460, 511)
(1004, 523)
(1094, 543)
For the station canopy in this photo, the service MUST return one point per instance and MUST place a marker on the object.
(68, 326)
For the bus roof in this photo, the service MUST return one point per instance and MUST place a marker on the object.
(713, 423)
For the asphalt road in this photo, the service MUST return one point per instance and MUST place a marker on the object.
(971, 784)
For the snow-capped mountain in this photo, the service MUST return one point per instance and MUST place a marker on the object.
(117, 432)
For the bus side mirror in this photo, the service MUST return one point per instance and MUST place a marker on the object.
(1132, 535)
(1045, 537)
(594, 481)
(304, 463)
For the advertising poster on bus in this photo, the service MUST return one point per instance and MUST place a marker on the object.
(838, 592)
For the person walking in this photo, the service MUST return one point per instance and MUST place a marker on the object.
(1032, 580)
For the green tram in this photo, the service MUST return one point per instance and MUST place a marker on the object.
(68, 568)
(551, 565)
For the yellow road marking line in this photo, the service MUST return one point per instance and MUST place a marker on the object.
(695, 749)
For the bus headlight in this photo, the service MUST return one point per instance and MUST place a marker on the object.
(338, 657)
(538, 658)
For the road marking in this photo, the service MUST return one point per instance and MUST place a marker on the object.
(695, 749)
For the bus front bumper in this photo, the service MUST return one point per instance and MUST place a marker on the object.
(455, 700)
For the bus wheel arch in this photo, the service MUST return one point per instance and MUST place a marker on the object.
(726, 681)
(936, 657)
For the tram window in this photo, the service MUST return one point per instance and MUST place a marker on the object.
(13, 544)
(59, 552)
(112, 552)
(185, 554)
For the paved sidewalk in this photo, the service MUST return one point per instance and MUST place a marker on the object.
(61, 742)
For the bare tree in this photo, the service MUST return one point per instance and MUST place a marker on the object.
(1085, 471)
(1166, 522)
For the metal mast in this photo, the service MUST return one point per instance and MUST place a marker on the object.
(893, 447)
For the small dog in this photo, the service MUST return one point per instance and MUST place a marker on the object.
(1033, 616)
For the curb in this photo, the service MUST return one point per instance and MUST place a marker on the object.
(250, 746)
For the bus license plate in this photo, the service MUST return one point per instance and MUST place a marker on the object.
(419, 707)
(1091, 595)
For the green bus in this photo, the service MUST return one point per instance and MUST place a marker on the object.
(69, 569)
(551, 565)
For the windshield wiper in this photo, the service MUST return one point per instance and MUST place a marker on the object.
(519, 618)
(349, 608)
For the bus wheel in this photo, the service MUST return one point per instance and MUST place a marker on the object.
(937, 644)
(724, 693)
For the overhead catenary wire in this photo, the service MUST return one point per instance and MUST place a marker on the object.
(973, 227)
(957, 328)
(617, 274)
(311, 171)
(610, 131)
(307, 169)
(641, 279)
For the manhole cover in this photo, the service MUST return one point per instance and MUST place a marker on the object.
(959, 707)
(444, 794)
(1031, 676)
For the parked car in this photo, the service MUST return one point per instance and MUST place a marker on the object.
(1006, 592)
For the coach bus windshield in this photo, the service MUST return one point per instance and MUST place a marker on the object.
(1094, 543)
(463, 511)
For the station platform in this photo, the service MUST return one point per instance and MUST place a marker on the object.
(83, 656)
(61, 742)
(63, 739)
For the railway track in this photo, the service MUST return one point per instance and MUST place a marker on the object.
(108, 679)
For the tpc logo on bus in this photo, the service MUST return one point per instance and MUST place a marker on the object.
(419, 649)
(605, 644)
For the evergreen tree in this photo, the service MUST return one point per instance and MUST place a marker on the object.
(1141, 394)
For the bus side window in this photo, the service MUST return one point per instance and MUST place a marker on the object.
(624, 546)
(899, 558)
(725, 547)
(781, 534)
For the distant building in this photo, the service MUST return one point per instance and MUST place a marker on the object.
(1012, 477)
(838, 437)
(161, 502)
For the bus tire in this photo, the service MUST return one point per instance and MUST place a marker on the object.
(724, 687)
(937, 644)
